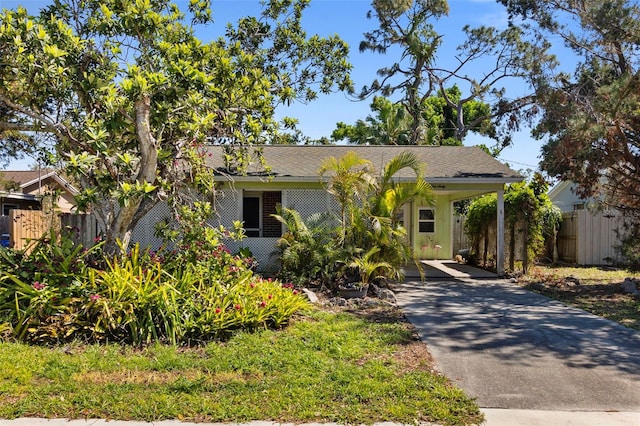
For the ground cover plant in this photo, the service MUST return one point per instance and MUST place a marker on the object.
(347, 367)
(596, 290)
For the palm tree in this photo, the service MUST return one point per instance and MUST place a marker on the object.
(350, 183)
(390, 195)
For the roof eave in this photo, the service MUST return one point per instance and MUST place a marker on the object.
(61, 181)
(19, 196)
(439, 180)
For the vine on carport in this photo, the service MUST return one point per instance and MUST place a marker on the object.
(528, 211)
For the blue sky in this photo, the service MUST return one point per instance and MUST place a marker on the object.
(347, 18)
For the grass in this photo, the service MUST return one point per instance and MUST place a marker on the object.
(326, 367)
(598, 291)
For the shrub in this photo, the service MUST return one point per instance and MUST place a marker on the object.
(57, 293)
(308, 250)
(42, 289)
(140, 303)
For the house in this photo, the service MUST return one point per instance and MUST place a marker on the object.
(454, 172)
(588, 235)
(26, 189)
(563, 195)
(42, 190)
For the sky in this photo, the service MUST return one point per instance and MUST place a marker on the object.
(348, 19)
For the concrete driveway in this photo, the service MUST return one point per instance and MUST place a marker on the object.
(513, 349)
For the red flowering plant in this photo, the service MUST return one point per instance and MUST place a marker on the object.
(42, 287)
(198, 242)
(248, 303)
(196, 291)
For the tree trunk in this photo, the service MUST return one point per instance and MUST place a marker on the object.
(124, 220)
(525, 246)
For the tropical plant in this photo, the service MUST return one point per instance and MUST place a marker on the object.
(126, 96)
(391, 124)
(57, 293)
(350, 183)
(374, 223)
(140, 303)
(369, 269)
(308, 252)
(390, 195)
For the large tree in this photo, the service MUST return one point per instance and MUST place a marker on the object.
(126, 95)
(417, 74)
(392, 125)
(590, 115)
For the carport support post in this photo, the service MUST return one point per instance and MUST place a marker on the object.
(500, 234)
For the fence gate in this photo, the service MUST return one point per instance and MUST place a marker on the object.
(26, 225)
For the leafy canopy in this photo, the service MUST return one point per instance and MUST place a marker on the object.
(124, 94)
(421, 83)
(391, 124)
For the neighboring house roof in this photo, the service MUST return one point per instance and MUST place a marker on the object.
(27, 178)
(442, 163)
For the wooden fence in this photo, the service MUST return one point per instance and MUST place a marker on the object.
(25, 226)
(590, 238)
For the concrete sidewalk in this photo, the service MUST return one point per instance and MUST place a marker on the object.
(527, 359)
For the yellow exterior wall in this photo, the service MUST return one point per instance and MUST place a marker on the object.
(423, 243)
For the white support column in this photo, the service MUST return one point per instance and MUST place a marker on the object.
(500, 234)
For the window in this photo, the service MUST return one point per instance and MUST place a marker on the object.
(426, 221)
(257, 208)
(7, 207)
(251, 215)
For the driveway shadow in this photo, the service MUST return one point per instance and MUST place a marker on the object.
(524, 347)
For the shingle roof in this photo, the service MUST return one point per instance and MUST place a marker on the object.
(29, 177)
(22, 176)
(441, 163)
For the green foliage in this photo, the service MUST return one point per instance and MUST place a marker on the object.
(307, 250)
(528, 211)
(349, 182)
(368, 222)
(139, 302)
(437, 111)
(589, 112)
(630, 244)
(42, 289)
(481, 216)
(58, 293)
(126, 96)
(392, 124)
(369, 270)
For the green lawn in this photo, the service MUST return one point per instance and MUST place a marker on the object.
(599, 290)
(326, 367)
